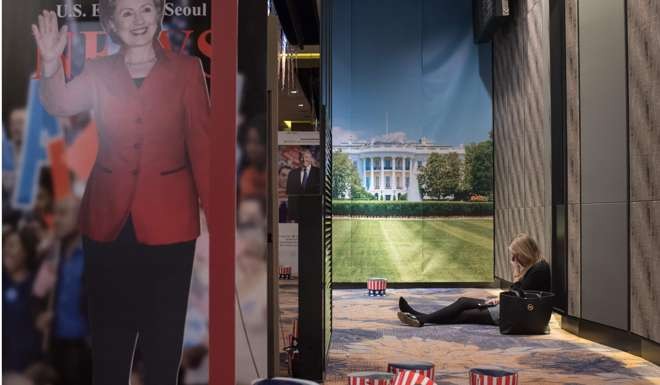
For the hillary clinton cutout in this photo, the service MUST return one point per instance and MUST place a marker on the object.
(140, 211)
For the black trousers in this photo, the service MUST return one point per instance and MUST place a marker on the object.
(137, 296)
(72, 361)
(463, 311)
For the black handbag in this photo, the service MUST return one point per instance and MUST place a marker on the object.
(525, 311)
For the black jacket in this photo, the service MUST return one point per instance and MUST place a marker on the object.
(536, 278)
(296, 191)
(313, 185)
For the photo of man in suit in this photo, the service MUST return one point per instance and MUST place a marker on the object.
(305, 180)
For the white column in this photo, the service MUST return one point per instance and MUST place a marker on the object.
(403, 173)
(407, 159)
(372, 186)
(394, 169)
(363, 173)
(382, 176)
(402, 177)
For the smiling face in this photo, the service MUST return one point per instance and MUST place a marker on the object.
(135, 22)
(307, 158)
(283, 176)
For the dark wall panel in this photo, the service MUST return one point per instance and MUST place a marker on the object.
(604, 162)
(603, 100)
(604, 264)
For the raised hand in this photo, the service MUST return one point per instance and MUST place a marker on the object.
(50, 41)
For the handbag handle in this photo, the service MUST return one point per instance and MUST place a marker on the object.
(525, 294)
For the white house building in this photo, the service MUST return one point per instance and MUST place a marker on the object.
(389, 169)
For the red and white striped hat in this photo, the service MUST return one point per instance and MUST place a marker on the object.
(370, 378)
(493, 377)
(422, 367)
(407, 377)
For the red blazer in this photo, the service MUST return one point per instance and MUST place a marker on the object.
(153, 158)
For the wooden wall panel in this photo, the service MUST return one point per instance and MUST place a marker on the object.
(644, 138)
(574, 260)
(644, 98)
(645, 269)
(573, 158)
(521, 102)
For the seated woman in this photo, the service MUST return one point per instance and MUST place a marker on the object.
(530, 272)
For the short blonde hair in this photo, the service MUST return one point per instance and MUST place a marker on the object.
(526, 251)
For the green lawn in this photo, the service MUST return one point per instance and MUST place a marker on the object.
(416, 250)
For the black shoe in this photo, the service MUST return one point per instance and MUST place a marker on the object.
(405, 308)
(409, 319)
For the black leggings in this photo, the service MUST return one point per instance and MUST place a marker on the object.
(464, 311)
(137, 296)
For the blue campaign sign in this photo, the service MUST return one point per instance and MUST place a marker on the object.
(7, 153)
(40, 128)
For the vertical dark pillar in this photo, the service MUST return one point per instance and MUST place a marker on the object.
(310, 297)
(559, 169)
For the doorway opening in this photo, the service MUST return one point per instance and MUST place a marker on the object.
(412, 112)
(398, 123)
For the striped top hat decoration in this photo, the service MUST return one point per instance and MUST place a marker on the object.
(293, 337)
(407, 377)
(285, 272)
(370, 378)
(424, 368)
(293, 353)
(283, 381)
(376, 286)
(480, 376)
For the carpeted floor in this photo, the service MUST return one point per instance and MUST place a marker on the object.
(288, 300)
(367, 334)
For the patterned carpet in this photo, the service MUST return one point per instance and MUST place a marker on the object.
(288, 299)
(367, 334)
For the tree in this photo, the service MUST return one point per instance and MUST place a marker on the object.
(359, 192)
(441, 176)
(346, 179)
(479, 168)
(341, 175)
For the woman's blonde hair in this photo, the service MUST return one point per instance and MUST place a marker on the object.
(526, 251)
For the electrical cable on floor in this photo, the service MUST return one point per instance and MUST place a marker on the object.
(247, 338)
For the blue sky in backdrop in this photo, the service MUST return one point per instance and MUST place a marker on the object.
(409, 69)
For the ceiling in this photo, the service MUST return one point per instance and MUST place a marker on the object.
(295, 102)
(299, 101)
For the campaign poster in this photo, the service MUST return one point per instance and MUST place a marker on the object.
(299, 174)
(298, 178)
(252, 257)
(106, 122)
